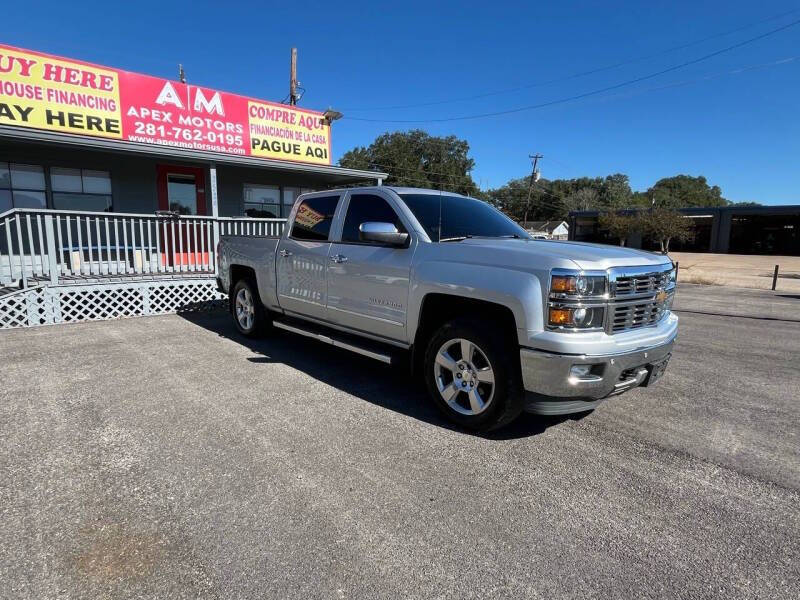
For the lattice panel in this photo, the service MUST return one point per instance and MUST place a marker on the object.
(14, 309)
(67, 304)
(181, 297)
(99, 304)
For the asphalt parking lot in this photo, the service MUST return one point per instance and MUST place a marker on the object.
(166, 457)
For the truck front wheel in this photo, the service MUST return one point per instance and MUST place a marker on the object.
(249, 314)
(472, 375)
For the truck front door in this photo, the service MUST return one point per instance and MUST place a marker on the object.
(302, 258)
(368, 282)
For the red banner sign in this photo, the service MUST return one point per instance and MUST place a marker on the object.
(57, 94)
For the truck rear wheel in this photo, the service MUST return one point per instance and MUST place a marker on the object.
(472, 375)
(248, 313)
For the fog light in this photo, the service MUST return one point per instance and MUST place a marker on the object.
(580, 371)
(560, 316)
(576, 318)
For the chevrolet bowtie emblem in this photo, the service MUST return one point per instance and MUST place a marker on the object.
(661, 296)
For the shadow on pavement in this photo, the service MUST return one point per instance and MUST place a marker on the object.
(391, 387)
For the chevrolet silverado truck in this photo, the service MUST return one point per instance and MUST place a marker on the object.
(494, 321)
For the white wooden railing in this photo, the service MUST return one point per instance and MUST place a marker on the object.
(39, 245)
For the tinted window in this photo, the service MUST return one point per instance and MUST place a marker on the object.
(314, 217)
(365, 208)
(446, 217)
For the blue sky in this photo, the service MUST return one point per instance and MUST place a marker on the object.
(741, 130)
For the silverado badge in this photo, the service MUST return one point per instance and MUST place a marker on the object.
(661, 296)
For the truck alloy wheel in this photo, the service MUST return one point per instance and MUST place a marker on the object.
(248, 313)
(471, 375)
(464, 377)
(245, 308)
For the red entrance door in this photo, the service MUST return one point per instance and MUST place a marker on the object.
(181, 191)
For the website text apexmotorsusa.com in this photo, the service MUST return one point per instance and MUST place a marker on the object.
(191, 145)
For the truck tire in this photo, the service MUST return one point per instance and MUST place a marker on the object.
(473, 375)
(249, 314)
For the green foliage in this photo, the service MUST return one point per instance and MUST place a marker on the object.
(683, 191)
(665, 224)
(417, 159)
(554, 199)
(620, 225)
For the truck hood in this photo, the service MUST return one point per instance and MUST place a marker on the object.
(584, 255)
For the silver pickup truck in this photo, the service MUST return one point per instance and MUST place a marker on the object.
(495, 322)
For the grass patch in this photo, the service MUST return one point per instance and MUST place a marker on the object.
(700, 279)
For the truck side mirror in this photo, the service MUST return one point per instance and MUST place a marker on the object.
(382, 233)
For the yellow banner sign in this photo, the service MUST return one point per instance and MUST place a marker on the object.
(285, 133)
(48, 93)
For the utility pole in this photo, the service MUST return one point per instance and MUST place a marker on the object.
(534, 177)
(293, 78)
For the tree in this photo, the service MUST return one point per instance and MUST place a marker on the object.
(417, 159)
(619, 225)
(663, 224)
(615, 192)
(683, 191)
(586, 198)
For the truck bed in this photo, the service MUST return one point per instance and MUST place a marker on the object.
(256, 253)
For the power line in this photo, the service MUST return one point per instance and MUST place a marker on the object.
(580, 74)
(587, 94)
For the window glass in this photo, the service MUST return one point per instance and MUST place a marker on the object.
(182, 194)
(262, 201)
(259, 210)
(290, 194)
(5, 177)
(90, 202)
(96, 182)
(5, 200)
(26, 199)
(27, 177)
(268, 194)
(364, 208)
(446, 217)
(314, 218)
(65, 180)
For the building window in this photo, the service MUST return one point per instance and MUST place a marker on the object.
(262, 201)
(290, 194)
(81, 189)
(21, 186)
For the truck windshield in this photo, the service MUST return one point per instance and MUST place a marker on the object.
(448, 218)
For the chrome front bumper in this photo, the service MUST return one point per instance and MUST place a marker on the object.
(551, 389)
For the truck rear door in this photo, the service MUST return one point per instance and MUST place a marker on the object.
(368, 283)
(302, 257)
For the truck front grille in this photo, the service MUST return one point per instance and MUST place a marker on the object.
(639, 284)
(633, 316)
(634, 298)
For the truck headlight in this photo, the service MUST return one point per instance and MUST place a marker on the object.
(577, 300)
(579, 284)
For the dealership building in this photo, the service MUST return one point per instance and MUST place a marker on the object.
(773, 230)
(75, 136)
(115, 184)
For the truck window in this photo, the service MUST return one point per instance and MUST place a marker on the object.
(365, 208)
(314, 217)
(447, 217)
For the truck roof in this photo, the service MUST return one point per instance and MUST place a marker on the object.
(397, 189)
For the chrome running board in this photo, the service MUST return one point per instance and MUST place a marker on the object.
(333, 341)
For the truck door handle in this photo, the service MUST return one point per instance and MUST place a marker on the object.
(338, 258)
(284, 253)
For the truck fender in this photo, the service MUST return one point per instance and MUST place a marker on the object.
(519, 291)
